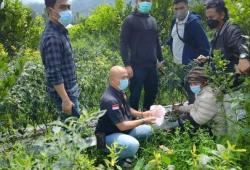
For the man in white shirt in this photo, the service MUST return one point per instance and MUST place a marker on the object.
(188, 39)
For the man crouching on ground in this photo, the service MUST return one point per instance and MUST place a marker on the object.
(118, 124)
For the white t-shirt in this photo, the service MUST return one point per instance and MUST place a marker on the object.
(178, 45)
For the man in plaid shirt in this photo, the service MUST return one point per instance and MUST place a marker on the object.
(58, 59)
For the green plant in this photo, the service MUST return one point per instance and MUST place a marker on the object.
(239, 13)
(18, 29)
(172, 80)
(221, 158)
(114, 151)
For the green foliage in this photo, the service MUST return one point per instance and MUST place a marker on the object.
(162, 11)
(187, 150)
(94, 59)
(220, 78)
(171, 81)
(26, 101)
(111, 163)
(221, 158)
(95, 42)
(61, 148)
(11, 69)
(239, 13)
(107, 19)
(18, 29)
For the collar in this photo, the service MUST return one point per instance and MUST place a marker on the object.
(221, 31)
(118, 92)
(183, 21)
(136, 13)
(59, 27)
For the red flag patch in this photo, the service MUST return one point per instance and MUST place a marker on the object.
(115, 107)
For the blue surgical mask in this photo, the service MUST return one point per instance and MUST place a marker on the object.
(66, 17)
(144, 7)
(196, 89)
(123, 84)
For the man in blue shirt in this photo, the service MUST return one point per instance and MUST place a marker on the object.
(58, 59)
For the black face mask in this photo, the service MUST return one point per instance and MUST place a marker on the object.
(213, 23)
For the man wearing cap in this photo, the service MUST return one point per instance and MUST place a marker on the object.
(118, 124)
(205, 110)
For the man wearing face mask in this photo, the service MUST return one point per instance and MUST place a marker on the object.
(141, 53)
(188, 39)
(118, 124)
(204, 112)
(58, 59)
(228, 38)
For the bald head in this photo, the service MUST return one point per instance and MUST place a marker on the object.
(116, 74)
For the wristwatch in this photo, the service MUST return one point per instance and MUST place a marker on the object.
(243, 56)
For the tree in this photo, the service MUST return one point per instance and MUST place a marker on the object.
(18, 29)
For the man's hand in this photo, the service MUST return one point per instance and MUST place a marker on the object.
(149, 120)
(176, 108)
(160, 65)
(67, 106)
(130, 71)
(147, 114)
(202, 59)
(243, 66)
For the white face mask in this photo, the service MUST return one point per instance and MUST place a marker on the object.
(181, 15)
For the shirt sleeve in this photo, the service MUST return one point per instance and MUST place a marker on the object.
(186, 108)
(201, 39)
(53, 57)
(124, 42)
(114, 111)
(206, 109)
(236, 40)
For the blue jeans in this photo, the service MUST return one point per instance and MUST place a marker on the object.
(130, 141)
(146, 78)
(75, 109)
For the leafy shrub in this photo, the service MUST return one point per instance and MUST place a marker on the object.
(18, 29)
(61, 148)
(162, 11)
(105, 19)
(26, 102)
(239, 13)
(94, 60)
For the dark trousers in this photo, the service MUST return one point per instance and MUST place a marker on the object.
(146, 78)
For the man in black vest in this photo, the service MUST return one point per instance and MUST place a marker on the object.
(118, 124)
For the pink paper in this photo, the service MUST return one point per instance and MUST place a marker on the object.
(158, 112)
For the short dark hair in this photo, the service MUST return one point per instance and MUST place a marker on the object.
(50, 3)
(179, 1)
(219, 5)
